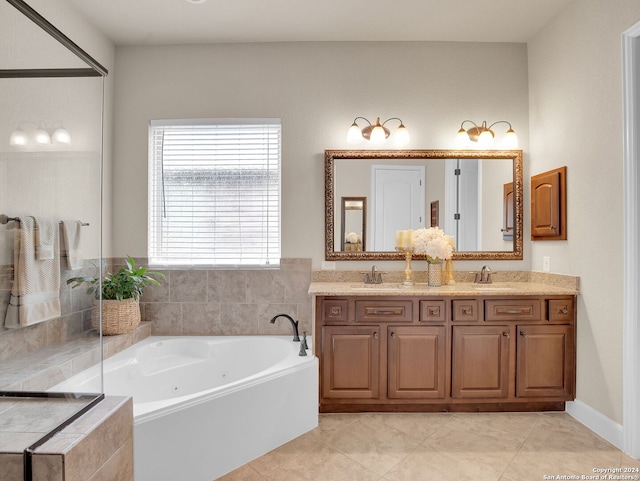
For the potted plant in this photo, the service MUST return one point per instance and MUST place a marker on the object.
(120, 293)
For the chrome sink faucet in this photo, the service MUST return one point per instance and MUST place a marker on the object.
(374, 277)
(484, 276)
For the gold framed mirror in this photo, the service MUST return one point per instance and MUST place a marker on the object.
(403, 186)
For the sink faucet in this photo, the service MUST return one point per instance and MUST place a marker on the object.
(294, 325)
(374, 277)
(484, 276)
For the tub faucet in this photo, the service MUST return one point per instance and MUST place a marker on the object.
(294, 325)
(484, 276)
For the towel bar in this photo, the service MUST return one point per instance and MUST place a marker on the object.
(4, 219)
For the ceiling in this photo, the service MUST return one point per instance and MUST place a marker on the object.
(174, 22)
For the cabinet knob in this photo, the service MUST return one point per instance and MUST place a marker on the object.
(375, 335)
(523, 334)
(563, 310)
(393, 334)
(466, 310)
(505, 333)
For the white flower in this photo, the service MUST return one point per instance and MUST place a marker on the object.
(352, 238)
(432, 243)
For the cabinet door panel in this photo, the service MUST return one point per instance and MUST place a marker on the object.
(350, 362)
(480, 361)
(544, 360)
(416, 362)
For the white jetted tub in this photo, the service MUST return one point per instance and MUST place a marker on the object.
(204, 406)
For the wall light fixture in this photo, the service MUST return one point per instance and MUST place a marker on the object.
(40, 134)
(484, 136)
(377, 133)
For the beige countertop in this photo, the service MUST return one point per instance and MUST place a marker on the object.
(500, 289)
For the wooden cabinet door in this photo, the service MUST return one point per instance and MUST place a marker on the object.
(548, 205)
(480, 364)
(351, 362)
(416, 362)
(545, 361)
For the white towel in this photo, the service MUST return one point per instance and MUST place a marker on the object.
(35, 295)
(44, 238)
(71, 235)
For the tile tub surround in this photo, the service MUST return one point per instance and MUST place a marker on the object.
(438, 446)
(97, 446)
(216, 302)
(74, 322)
(39, 370)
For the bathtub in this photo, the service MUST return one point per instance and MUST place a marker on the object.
(204, 406)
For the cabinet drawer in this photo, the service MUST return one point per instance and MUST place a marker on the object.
(512, 310)
(433, 311)
(335, 310)
(384, 310)
(465, 310)
(560, 309)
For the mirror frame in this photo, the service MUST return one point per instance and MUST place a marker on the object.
(330, 156)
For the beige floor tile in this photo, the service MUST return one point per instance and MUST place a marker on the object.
(373, 443)
(329, 424)
(426, 464)
(629, 462)
(324, 464)
(284, 454)
(243, 473)
(437, 447)
(535, 465)
(560, 432)
(419, 425)
(515, 424)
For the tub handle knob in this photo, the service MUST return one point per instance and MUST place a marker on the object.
(303, 343)
(303, 351)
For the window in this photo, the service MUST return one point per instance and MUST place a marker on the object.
(214, 192)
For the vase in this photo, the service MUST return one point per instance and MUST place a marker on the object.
(434, 273)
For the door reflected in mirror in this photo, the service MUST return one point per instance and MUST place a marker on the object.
(404, 187)
(353, 232)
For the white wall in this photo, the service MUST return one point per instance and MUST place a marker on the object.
(576, 120)
(317, 89)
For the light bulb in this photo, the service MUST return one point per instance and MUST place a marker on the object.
(485, 139)
(61, 135)
(510, 140)
(462, 139)
(42, 136)
(354, 134)
(378, 135)
(18, 137)
(402, 135)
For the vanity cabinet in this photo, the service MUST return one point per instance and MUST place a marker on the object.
(449, 353)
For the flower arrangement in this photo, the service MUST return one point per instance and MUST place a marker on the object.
(433, 243)
(352, 238)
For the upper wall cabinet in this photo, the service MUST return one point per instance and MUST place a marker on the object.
(549, 205)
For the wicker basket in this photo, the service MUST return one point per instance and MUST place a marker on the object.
(118, 317)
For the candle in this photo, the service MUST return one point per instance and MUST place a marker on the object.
(399, 238)
(450, 240)
(408, 238)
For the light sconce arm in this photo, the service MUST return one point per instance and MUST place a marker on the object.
(376, 132)
(483, 134)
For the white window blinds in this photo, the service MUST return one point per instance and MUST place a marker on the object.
(214, 192)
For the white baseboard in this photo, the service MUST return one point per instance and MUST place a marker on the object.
(597, 422)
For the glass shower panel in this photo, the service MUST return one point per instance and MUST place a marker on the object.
(50, 229)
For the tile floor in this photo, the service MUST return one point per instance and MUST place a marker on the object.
(440, 447)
